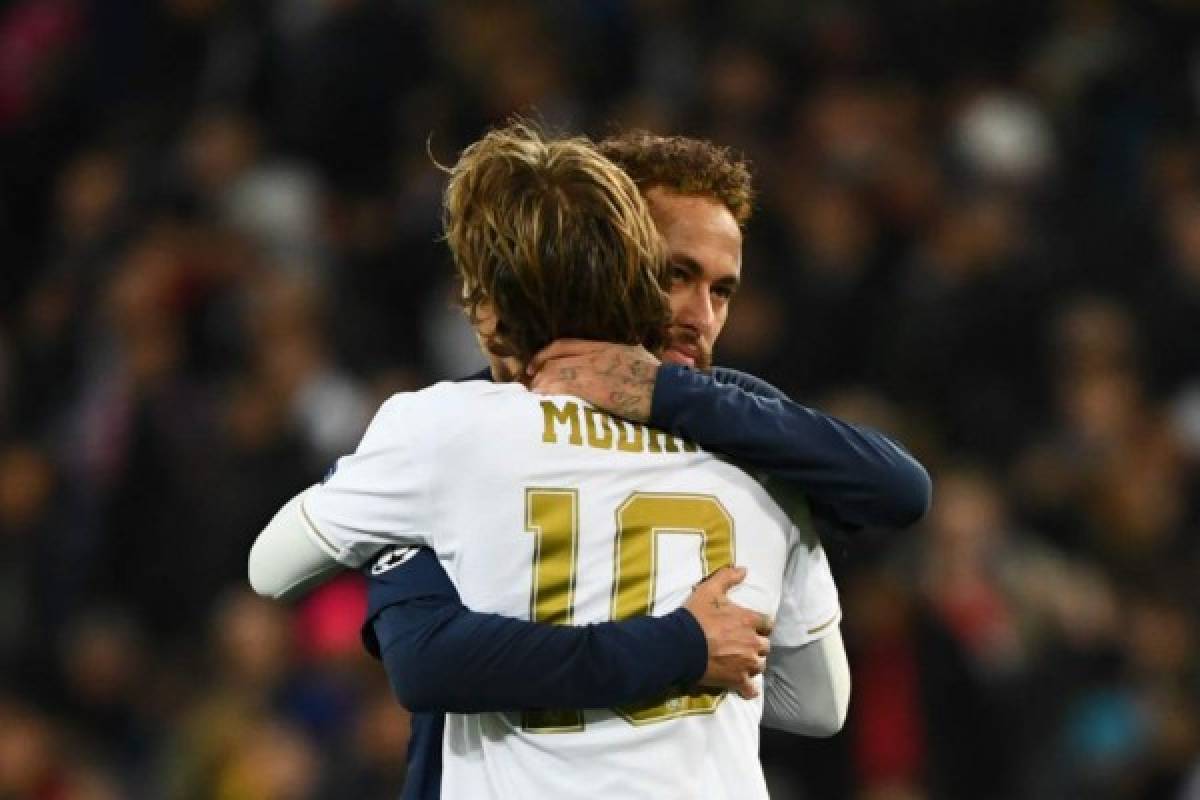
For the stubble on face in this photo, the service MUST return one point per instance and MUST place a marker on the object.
(705, 246)
(685, 346)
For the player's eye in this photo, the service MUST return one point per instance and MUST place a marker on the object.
(723, 292)
(679, 274)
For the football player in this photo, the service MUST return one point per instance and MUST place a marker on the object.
(689, 340)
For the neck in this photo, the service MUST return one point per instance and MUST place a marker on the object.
(507, 370)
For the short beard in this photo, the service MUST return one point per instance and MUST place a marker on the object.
(703, 356)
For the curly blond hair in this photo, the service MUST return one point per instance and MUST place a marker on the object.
(685, 166)
(557, 240)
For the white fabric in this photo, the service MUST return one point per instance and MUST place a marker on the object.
(807, 688)
(380, 495)
(289, 556)
(809, 606)
(449, 467)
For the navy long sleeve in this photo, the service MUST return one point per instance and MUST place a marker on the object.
(441, 656)
(854, 474)
(857, 476)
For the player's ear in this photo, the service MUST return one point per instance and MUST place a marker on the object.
(483, 318)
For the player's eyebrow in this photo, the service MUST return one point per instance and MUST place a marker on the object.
(687, 263)
(730, 282)
(693, 268)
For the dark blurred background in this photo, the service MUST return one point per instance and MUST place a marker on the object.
(979, 230)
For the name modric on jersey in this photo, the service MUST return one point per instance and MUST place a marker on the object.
(565, 422)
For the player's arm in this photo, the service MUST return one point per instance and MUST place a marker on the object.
(854, 475)
(374, 497)
(289, 557)
(807, 681)
(807, 688)
(440, 656)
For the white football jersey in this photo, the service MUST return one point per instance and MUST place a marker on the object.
(543, 508)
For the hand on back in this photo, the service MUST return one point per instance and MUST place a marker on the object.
(736, 636)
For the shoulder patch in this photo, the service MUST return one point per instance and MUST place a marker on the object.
(393, 557)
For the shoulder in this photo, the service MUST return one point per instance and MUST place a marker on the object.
(405, 417)
(451, 419)
(439, 411)
(435, 400)
(466, 390)
(726, 374)
(746, 381)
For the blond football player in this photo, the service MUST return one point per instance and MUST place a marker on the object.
(545, 508)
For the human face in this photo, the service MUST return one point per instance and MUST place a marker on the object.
(705, 246)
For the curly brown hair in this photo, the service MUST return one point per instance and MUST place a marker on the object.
(685, 166)
(557, 239)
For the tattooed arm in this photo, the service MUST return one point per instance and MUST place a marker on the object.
(853, 476)
(618, 378)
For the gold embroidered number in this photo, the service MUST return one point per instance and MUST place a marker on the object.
(552, 515)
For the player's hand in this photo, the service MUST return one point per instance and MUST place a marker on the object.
(617, 378)
(736, 636)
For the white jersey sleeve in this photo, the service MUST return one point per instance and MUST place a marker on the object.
(378, 495)
(808, 607)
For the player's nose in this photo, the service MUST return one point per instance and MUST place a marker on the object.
(696, 310)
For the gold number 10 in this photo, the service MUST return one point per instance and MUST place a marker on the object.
(552, 516)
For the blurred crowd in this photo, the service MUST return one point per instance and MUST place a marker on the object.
(978, 230)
